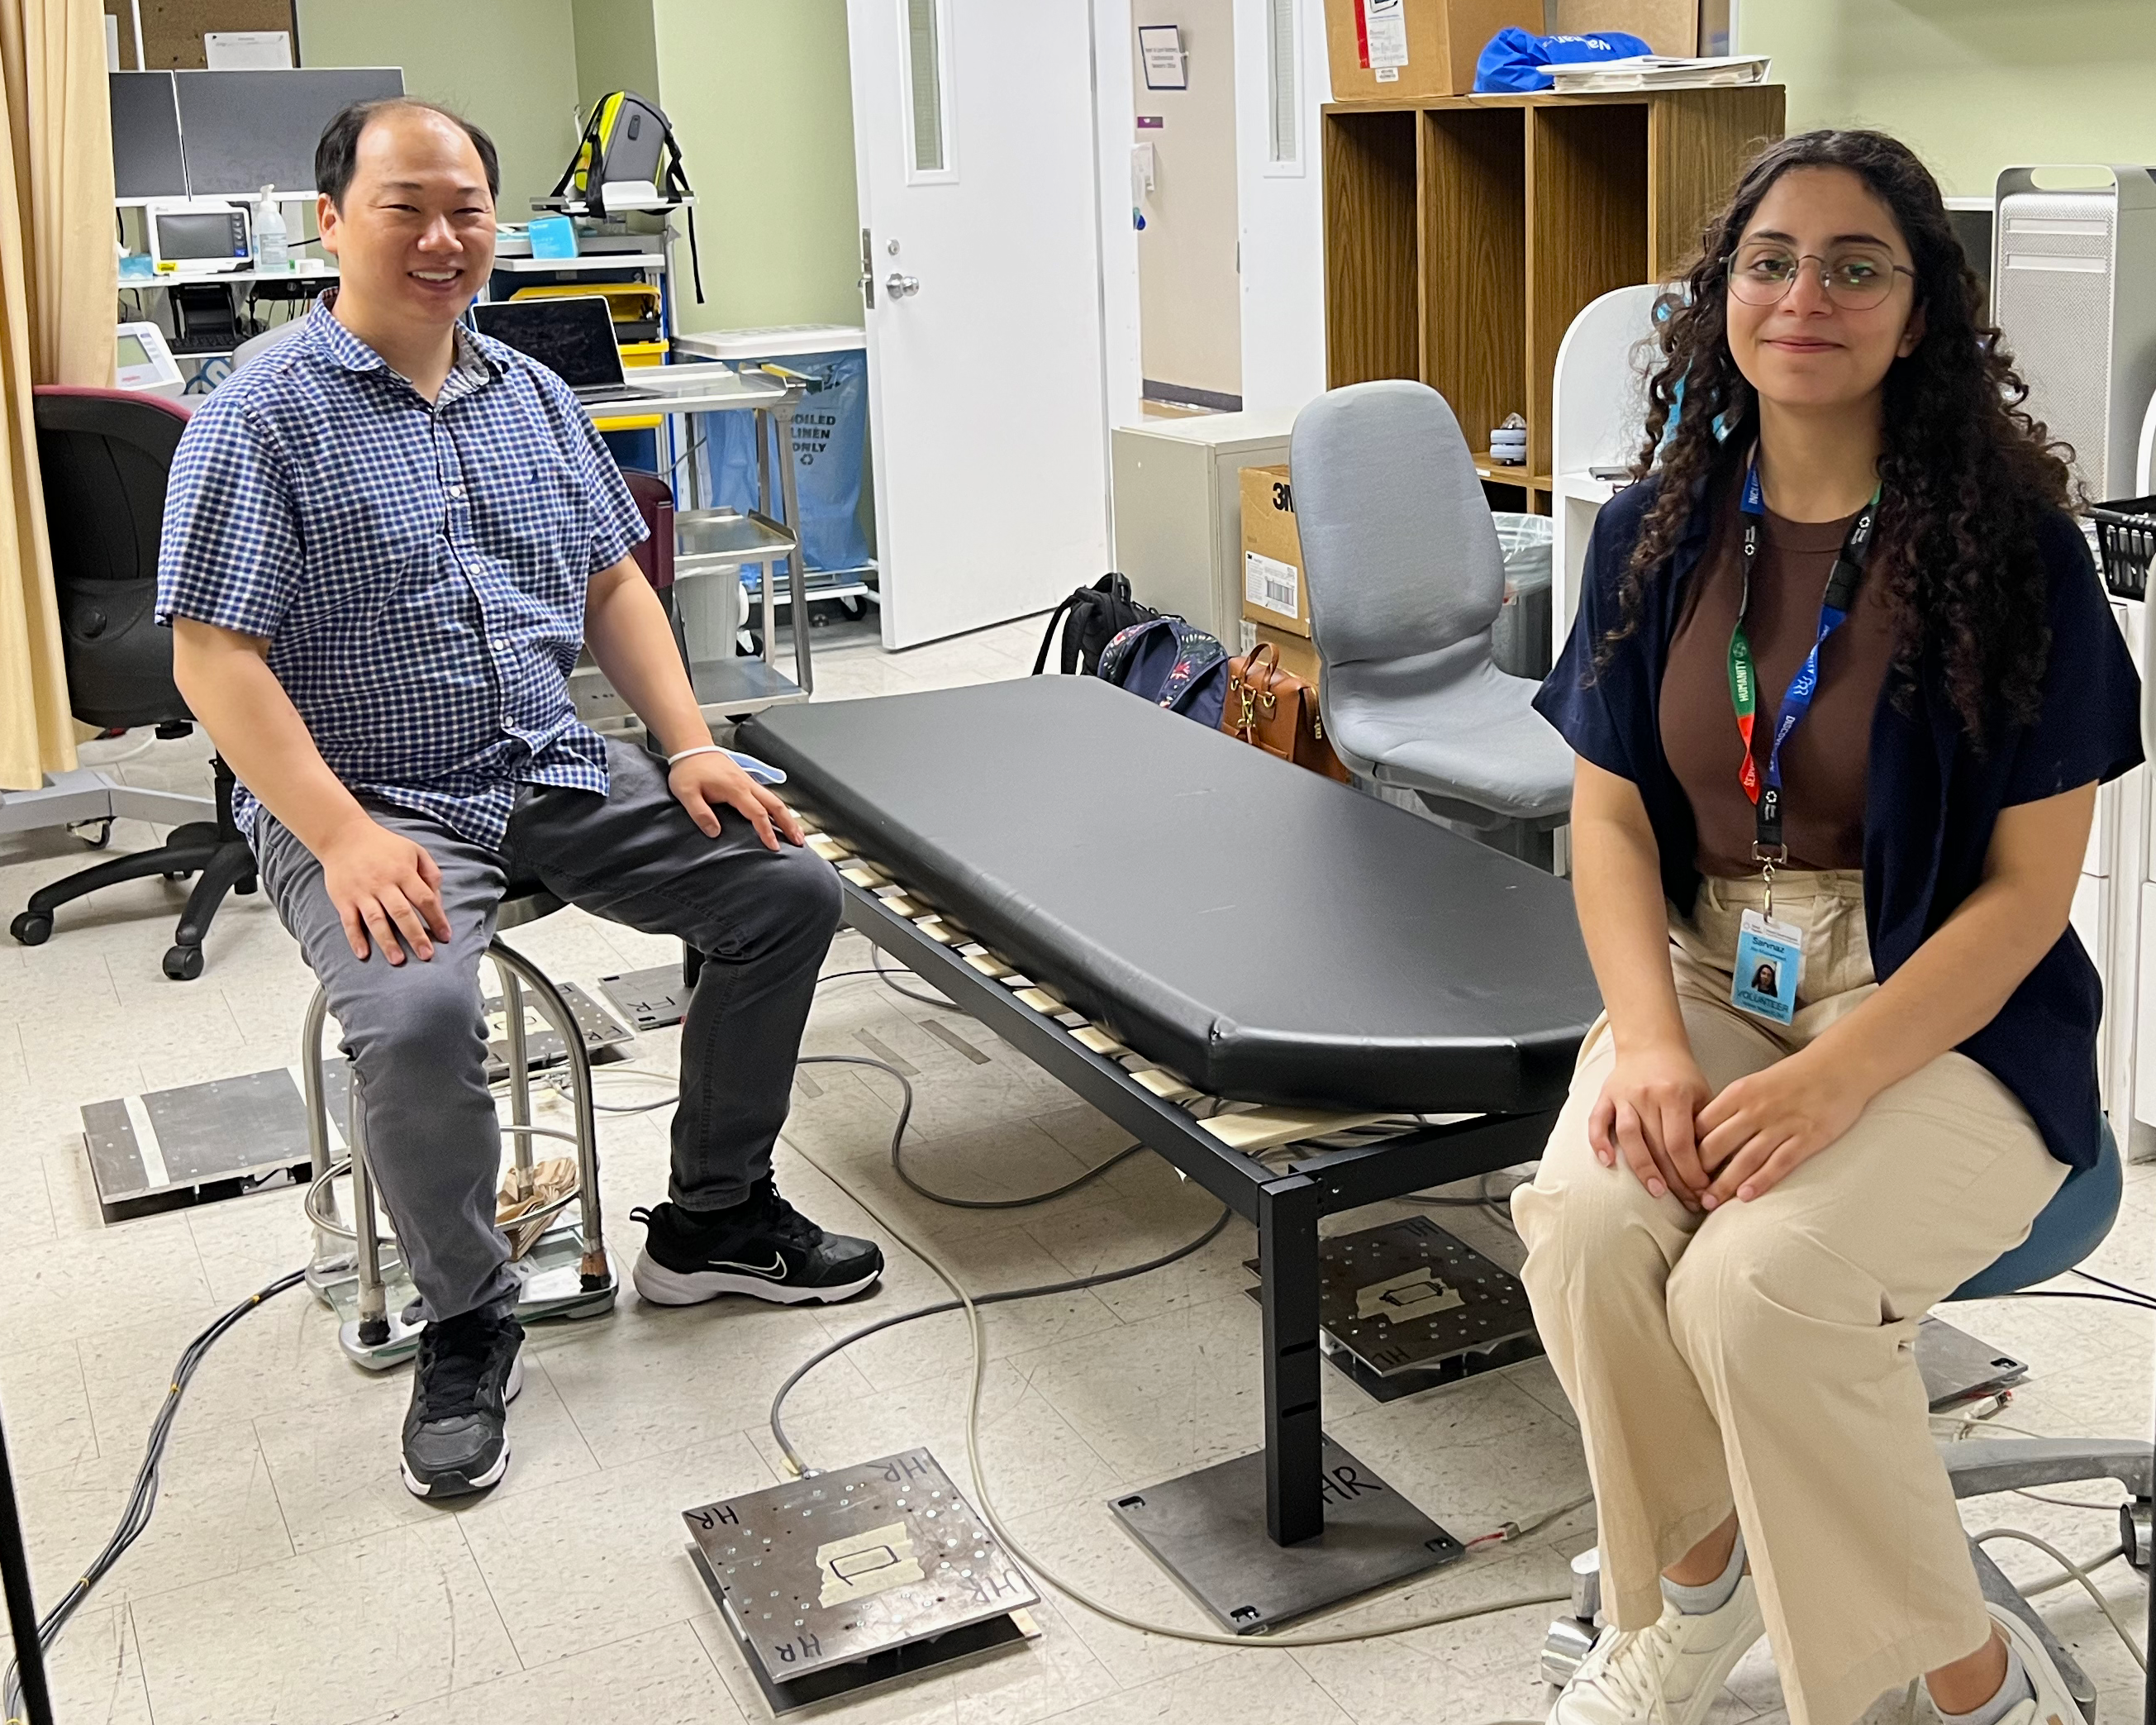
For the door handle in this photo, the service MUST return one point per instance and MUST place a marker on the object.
(900, 287)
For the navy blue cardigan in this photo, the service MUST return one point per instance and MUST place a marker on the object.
(1930, 798)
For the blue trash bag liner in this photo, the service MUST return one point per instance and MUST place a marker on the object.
(830, 437)
(1517, 59)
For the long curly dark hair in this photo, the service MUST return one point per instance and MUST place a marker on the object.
(1967, 474)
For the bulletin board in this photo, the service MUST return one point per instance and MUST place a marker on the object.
(172, 30)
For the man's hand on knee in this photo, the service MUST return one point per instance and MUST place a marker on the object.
(703, 784)
(385, 886)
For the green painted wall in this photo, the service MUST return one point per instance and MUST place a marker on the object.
(760, 95)
(1972, 85)
(616, 49)
(509, 64)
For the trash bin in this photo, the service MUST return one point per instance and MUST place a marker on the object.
(830, 437)
(1520, 641)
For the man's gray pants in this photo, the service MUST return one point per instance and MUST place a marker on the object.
(417, 1041)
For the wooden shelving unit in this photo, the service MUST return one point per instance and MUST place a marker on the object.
(1463, 233)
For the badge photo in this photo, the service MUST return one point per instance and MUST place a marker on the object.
(1770, 962)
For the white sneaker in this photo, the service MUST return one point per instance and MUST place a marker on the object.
(1667, 1674)
(2054, 1704)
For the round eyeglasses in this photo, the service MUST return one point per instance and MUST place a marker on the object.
(1855, 278)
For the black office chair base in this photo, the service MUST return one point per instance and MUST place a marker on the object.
(212, 850)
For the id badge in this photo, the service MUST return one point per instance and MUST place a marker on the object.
(1770, 962)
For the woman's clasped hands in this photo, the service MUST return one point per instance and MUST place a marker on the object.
(1660, 1118)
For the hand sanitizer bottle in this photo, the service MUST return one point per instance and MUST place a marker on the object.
(271, 249)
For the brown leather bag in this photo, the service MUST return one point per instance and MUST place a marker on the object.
(1277, 711)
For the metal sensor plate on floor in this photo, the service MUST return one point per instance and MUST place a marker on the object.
(856, 1576)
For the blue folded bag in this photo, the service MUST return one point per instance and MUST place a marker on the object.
(1517, 59)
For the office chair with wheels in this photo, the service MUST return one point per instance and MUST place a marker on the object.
(106, 454)
(2068, 1229)
(1406, 580)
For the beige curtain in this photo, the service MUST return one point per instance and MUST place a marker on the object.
(59, 285)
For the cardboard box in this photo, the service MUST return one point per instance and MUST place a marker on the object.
(1412, 49)
(1675, 27)
(1297, 657)
(1274, 592)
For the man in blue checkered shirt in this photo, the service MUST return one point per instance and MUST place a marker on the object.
(385, 540)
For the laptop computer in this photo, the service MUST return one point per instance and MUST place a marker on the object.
(571, 336)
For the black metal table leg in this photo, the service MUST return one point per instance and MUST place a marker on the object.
(1271, 1537)
(1288, 1212)
(22, 1607)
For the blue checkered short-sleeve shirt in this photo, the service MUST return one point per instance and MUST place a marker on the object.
(418, 568)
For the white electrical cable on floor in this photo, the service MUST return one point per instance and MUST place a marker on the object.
(2076, 1572)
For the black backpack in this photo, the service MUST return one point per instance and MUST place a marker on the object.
(1096, 615)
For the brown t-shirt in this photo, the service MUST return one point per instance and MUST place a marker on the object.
(1824, 763)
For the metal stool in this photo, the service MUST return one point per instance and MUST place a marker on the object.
(564, 1275)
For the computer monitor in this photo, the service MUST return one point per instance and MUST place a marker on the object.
(244, 131)
(146, 160)
(571, 335)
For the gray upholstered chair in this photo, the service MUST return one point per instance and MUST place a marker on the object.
(1406, 579)
(254, 346)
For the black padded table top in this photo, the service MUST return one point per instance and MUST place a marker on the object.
(1264, 932)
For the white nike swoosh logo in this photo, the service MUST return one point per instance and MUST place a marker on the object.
(776, 1273)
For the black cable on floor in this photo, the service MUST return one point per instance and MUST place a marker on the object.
(2117, 1287)
(1498, 1209)
(142, 1497)
(2142, 1305)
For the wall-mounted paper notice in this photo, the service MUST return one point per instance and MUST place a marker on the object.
(248, 50)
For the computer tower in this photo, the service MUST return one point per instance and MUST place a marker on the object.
(2073, 289)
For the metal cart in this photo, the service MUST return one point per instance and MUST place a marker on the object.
(713, 542)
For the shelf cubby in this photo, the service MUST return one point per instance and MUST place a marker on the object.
(1463, 233)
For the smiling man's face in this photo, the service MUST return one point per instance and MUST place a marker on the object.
(413, 237)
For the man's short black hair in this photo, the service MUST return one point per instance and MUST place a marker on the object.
(337, 155)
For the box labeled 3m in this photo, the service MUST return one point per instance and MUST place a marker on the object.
(1274, 592)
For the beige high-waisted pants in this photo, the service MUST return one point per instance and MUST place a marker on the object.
(1762, 1357)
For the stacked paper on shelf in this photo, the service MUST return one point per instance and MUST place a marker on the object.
(1657, 71)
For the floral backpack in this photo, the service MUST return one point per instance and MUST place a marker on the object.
(1173, 664)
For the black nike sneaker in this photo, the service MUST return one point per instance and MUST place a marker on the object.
(762, 1247)
(466, 1374)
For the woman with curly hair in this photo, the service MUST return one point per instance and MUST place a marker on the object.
(1842, 686)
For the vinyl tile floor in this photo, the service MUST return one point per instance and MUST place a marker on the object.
(289, 1579)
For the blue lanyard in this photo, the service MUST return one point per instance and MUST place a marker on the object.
(1767, 844)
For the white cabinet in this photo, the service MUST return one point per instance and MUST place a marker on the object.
(1178, 504)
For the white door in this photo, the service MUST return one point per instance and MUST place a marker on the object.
(973, 136)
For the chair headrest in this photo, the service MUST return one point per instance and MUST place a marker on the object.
(1397, 543)
(80, 407)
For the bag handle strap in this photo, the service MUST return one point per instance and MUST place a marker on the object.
(1083, 603)
(1040, 659)
(1244, 688)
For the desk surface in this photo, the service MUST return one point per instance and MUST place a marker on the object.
(1260, 931)
(727, 392)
